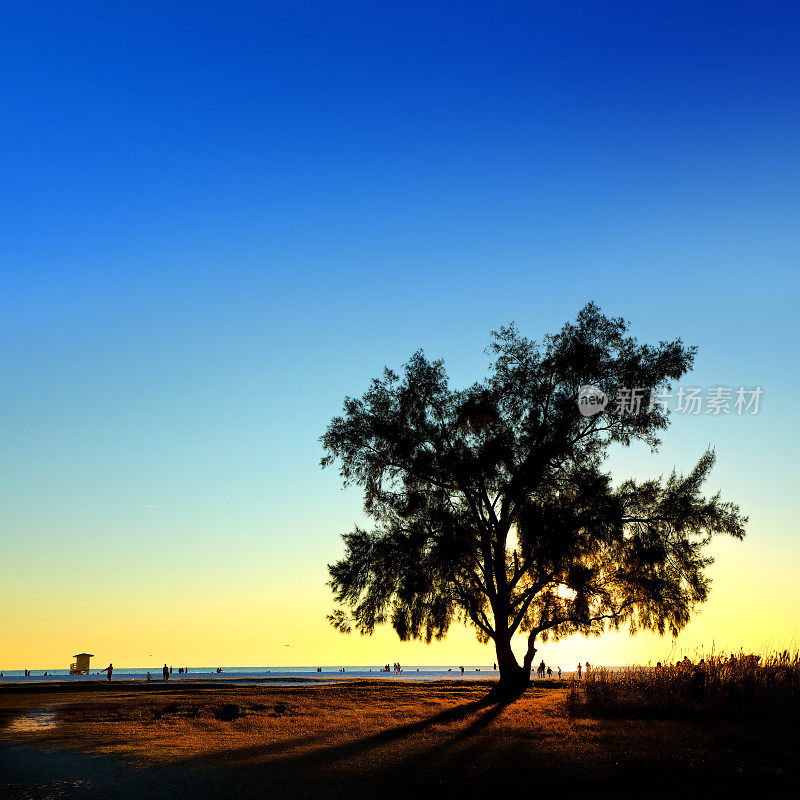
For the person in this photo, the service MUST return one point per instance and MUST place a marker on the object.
(588, 668)
(165, 672)
(697, 682)
(149, 676)
(559, 673)
(462, 670)
(549, 672)
(540, 671)
(579, 670)
(170, 670)
(494, 667)
(110, 671)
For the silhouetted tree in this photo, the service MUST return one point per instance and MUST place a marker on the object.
(491, 506)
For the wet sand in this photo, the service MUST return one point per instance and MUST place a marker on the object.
(364, 739)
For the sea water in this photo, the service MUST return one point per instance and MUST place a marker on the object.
(286, 676)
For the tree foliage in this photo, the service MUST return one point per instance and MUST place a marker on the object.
(490, 504)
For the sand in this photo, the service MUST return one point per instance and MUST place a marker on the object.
(365, 739)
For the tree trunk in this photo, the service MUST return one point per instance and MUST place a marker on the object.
(514, 679)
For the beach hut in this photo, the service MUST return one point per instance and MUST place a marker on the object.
(81, 664)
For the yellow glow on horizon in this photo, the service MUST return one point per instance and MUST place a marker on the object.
(248, 624)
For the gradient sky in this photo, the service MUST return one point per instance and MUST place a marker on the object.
(217, 220)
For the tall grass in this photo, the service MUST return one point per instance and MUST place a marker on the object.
(739, 683)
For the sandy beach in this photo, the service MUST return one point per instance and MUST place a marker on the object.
(362, 739)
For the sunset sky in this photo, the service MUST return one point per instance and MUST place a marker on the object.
(218, 220)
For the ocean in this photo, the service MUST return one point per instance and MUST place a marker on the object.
(280, 676)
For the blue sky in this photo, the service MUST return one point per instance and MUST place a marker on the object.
(218, 221)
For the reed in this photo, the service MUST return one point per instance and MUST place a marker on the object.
(716, 684)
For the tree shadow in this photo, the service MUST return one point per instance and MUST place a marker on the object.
(327, 756)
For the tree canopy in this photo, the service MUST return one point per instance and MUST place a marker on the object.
(490, 505)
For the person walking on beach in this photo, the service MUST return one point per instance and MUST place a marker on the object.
(109, 670)
(549, 672)
(559, 673)
(165, 672)
(579, 670)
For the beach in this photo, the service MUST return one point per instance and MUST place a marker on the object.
(287, 675)
(362, 738)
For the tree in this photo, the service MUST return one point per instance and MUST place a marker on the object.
(491, 506)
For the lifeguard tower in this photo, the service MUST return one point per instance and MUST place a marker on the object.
(81, 664)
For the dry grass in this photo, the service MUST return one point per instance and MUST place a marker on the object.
(740, 684)
(378, 739)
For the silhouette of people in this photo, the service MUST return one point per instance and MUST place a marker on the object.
(588, 668)
(149, 676)
(579, 670)
(165, 672)
(549, 672)
(462, 670)
(109, 671)
(540, 670)
(559, 673)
